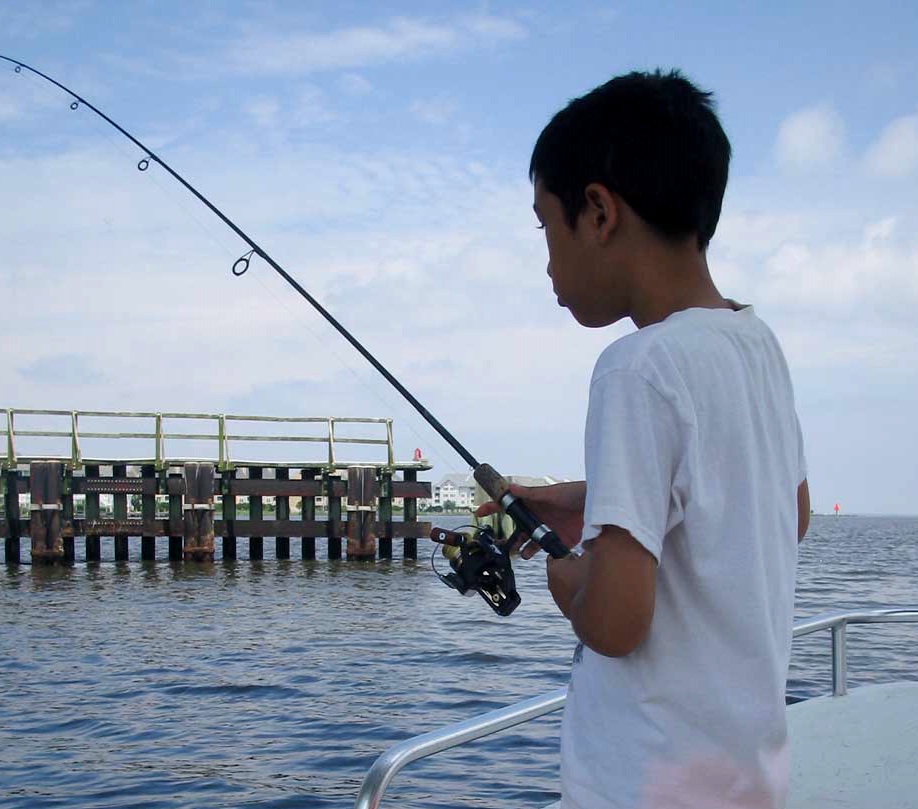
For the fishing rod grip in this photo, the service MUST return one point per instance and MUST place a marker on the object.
(499, 488)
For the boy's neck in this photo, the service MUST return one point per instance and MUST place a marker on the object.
(672, 280)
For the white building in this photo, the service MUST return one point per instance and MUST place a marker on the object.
(460, 489)
(457, 488)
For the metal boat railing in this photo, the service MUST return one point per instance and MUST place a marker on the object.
(387, 766)
(221, 435)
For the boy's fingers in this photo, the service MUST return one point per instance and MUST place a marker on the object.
(486, 509)
(517, 538)
(530, 549)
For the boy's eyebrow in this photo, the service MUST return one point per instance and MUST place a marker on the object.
(536, 209)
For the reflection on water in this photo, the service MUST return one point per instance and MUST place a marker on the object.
(277, 684)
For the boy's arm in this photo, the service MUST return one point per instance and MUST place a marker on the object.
(803, 509)
(608, 593)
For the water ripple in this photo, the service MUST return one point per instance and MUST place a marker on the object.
(276, 685)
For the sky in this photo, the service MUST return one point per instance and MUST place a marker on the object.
(379, 152)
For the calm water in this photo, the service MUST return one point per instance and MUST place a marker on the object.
(276, 684)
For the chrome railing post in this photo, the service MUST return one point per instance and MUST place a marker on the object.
(840, 659)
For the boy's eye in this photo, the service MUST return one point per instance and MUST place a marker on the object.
(540, 227)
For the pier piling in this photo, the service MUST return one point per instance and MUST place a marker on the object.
(119, 510)
(256, 514)
(93, 540)
(385, 514)
(11, 549)
(229, 514)
(148, 513)
(410, 549)
(308, 512)
(334, 517)
(282, 512)
(174, 485)
(45, 479)
(361, 512)
(198, 512)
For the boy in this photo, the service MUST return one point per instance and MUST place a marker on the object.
(695, 494)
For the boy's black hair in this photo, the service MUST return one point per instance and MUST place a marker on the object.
(652, 138)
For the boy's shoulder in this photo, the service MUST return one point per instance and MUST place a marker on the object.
(682, 339)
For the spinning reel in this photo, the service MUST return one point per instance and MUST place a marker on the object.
(478, 563)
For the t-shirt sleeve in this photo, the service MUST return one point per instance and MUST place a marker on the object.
(633, 446)
(801, 457)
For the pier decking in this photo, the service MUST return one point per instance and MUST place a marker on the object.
(193, 501)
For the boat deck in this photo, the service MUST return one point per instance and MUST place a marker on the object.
(859, 751)
(855, 751)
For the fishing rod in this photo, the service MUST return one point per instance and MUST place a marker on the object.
(479, 547)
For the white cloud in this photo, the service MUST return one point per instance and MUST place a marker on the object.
(307, 108)
(263, 111)
(812, 138)
(9, 110)
(357, 47)
(355, 84)
(28, 20)
(493, 27)
(434, 111)
(895, 152)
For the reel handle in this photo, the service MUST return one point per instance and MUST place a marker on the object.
(499, 488)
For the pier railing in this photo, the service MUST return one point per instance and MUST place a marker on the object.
(221, 435)
(192, 500)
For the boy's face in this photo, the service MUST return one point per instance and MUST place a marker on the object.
(574, 264)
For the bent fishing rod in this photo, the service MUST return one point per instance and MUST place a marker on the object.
(482, 551)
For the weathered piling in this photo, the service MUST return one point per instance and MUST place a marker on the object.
(282, 512)
(45, 481)
(176, 518)
(199, 513)
(256, 514)
(229, 514)
(119, 509)
(11, 549)
(93, 540)
(148, 513)
(334, 519)
(385, 514)
(410, 548)
(67, 518)
(308, 512)
(361, 512)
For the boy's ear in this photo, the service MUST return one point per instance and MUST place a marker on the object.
(601, 210)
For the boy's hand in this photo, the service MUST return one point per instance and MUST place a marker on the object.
(559, 506)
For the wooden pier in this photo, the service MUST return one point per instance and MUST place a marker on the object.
(192, 502)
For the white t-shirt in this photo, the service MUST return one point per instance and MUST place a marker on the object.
(693, 446)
